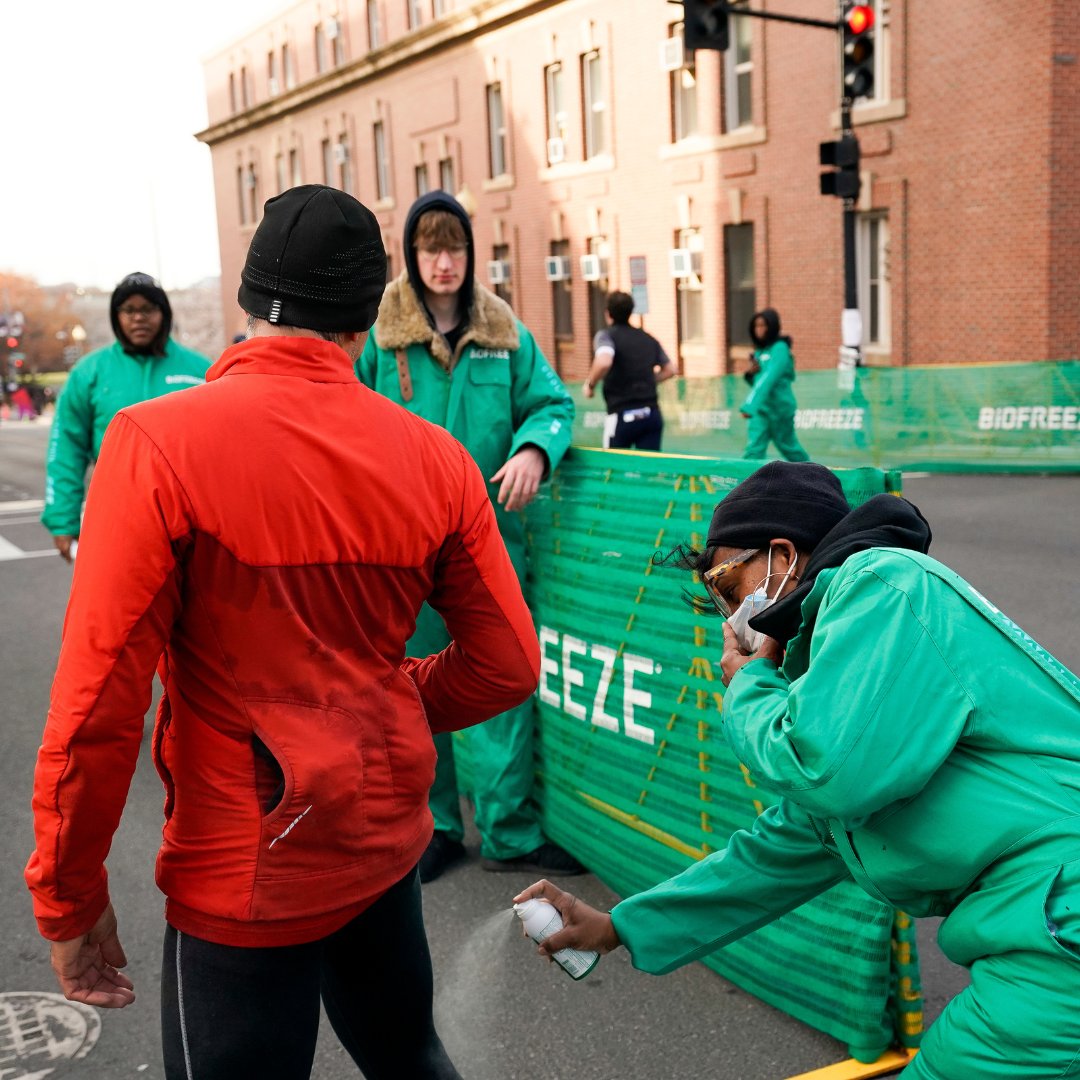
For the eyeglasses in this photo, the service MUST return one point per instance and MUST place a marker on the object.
(711, 577)
(455, 251)
(139, 312)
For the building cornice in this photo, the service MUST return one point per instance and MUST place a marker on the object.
(429, 40)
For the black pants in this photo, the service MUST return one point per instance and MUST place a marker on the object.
(230, 1012)
(637, 428)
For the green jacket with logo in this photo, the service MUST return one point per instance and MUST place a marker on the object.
(496, 395)
(930, 751)
(771, 394)
(100, 385)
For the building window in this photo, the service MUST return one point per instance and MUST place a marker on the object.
(374, 37)
(294, 168)
(337, 45)
(562, 305)
(416, 16)
(594, 107)
(689, 289)
(739, 272)
(683, 82)
(232, 92)
(446, 174)
(872, 267)
(738, 75)
(598, 287)
(245, 96)
(320, 48)
(288, 71)
(880, 37)
(271, 74)
(496, 131)
(440, 8)
(556, 113)
(241, 194)
(343, 158)
(280, 174)
(327, 162)
(382, 164)
(251, 182)
(423, 185)
(500, 253)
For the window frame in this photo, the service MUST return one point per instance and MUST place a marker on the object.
(872, 249)
(383, 190)
(498, 141)
(733, 70)
(593, 109)
(737, 329)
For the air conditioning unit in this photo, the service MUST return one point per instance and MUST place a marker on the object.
(556, 151)
(498, 272)
(672, 55)
(593, 268)
(681, 262)
(557, 268)
(341, 153)
(332, 28)
(273, 87)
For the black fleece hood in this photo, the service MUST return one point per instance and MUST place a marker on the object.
(883, 521)
(439, 200)
(772, 328)
(140, 284)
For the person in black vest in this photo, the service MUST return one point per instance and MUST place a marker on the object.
(630, 362)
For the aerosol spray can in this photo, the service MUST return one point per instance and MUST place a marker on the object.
(541, 920)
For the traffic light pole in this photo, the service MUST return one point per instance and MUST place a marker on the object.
(851, 318)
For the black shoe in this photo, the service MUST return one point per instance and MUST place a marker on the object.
(441, 853)
(548, 858)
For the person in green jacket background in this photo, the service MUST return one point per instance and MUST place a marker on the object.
(770, 405)
(451, 351)
(143, 362)
(922, 745)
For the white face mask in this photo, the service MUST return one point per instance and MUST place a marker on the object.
(749, 639)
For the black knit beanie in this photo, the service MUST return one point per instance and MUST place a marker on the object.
(140, 284)
(794, 500)
(316, 262)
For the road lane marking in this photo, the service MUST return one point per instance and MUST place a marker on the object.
(9, 552)
(14, 505)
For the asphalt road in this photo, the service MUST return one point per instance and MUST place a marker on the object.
(502, 1013)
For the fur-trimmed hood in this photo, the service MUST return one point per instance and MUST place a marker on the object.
(403, 322)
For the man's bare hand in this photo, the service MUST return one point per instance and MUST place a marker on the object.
(588, 390)
(583, 927)
(87, 967)
(63, 545)
(734, 656)
(520, 478)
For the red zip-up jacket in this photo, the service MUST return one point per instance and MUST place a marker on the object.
(269, 539)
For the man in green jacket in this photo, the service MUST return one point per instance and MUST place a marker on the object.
(449, 350)
(144, 362)
(770, 405)
(923, 745)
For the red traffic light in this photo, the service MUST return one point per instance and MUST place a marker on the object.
(860, 18)
(12, 342)
(19, 363)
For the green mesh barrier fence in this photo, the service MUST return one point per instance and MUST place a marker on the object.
(949, 418)
(635, 776)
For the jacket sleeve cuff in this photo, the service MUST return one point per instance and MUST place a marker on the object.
(67, 927)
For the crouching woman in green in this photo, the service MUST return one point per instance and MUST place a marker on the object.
(922, 744)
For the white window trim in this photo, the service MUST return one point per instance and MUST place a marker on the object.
(732, 71)
(862, 271)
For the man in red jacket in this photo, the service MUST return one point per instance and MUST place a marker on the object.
(266, 541)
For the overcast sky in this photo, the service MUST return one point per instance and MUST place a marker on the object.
(101, 174)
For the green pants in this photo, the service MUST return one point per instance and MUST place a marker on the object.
(763, 428)
(1018, 1020)
(501, 753)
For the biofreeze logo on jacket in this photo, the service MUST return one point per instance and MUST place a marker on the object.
(490, 354)
(562, 685)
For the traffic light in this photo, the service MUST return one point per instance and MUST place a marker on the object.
(843, 156)
(705, 24)
(12, 342)
(858, 50)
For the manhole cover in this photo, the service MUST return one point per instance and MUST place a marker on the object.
(38, 1031)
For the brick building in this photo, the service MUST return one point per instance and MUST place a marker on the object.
(584, 139)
